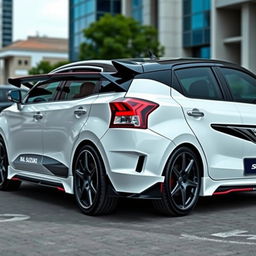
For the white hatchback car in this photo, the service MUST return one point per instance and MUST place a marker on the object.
(166, 130)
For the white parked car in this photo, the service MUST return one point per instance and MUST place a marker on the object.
(168, 130)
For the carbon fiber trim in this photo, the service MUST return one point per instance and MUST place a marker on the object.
(40, 164)
(39, 181)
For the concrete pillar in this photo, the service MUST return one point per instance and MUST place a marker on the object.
(126, 7)
(214, 35)
(147, 12)
(170, 27)
(225, 33)
(249, 36)
(150, 12)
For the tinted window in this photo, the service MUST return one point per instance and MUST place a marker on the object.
(23, 93)
(120, 85)
(241, 85)
(162, 76)
(199, 83)
(43, 93)
(79, 89)
(4, 95)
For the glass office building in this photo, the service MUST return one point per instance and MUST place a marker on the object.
(196, 27)
(136, 10)
(7, 14)
(81, 14)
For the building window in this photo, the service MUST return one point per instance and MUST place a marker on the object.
(196, 26)
(82, 14)
(202, 52)
(197, 21)
(19, 62)
(25, 62)
(137, 7)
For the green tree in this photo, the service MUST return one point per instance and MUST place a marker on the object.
(119, 37)
(44, 67)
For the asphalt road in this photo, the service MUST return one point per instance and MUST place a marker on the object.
(49, 223)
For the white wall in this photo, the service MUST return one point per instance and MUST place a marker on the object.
(36, 57)
(170, 27)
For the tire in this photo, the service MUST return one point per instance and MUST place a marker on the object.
(6, 184)
(90, 185)
(182, 184)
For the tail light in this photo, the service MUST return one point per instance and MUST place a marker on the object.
(131, 113)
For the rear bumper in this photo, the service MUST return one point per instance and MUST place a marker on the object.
(135, 158)
(218, 187)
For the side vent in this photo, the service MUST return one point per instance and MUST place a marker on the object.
(140, 164)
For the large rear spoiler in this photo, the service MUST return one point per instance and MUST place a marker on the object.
(29, 81)
(126, 70)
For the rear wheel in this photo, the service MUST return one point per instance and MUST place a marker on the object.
(90, 186)
(182, 183)
(6, 184)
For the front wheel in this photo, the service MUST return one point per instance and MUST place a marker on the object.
(182, 183)
(6, 184)
(90, 186)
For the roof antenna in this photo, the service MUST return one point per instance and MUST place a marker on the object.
(152, 56)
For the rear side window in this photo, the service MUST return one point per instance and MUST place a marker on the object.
(79, 89)
(241, 85)
(43, 92)
(199, 83)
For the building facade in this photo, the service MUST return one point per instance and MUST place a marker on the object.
(165, 16)
(234, 31)
(196, 28)
(19, 57)
(219, 29)
(183, 25)
(6, 21)
(81, 14)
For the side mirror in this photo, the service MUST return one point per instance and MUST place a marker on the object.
(15, 96)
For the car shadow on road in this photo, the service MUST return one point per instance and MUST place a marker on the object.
(49, 201)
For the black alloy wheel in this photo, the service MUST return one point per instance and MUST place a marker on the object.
(90, 186)
(182, 183)
(6, 184)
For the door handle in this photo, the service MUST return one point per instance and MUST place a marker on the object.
(80, 112)
(38, 116)
(195, 113)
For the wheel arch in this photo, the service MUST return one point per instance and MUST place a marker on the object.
(80, 145)
(99, 149)
(196, 151)
(2, 137)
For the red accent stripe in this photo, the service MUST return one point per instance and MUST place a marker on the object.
(161, 187)
(15, 179)
(61, 189)
(232, 190)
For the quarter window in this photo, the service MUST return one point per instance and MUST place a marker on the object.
(199, 83)
(241, 85)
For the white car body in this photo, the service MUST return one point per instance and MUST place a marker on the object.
(32, 143)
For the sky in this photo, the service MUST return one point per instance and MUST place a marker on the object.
(40, 17)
